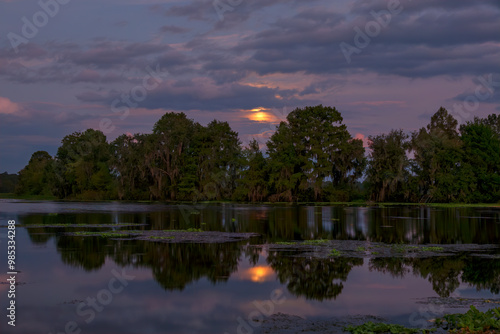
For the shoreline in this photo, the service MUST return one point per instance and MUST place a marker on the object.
(352, 204)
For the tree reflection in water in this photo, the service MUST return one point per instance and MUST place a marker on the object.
(445, 272)
(312, 278)
(176, 265)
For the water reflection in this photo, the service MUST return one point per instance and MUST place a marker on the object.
(446, 272)
(173, 265)
(275, 223)
(176, 265)
(258, 274)
(322, 279)
(317, 279)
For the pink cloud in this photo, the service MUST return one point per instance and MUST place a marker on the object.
(363, 138)
(7, 106)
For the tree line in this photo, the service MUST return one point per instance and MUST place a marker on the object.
(310, 157)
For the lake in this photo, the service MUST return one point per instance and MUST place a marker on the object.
(93, 284)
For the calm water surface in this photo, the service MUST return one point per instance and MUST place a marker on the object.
(206, 288)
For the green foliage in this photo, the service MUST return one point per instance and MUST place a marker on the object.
(160, 238)
(371, 327)
(388, 170)
(438, 153)
(473, 321)
(335, 252)
(432, 249)
(312, 147)
(187, 230)
(315, 242)
(403, 248)
(253, 184)
(100, 234)
(310, 157)
(82, 166)
(480, 177)
(8, 182)
(38, 176)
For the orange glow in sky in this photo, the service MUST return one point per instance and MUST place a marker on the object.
(260, 115)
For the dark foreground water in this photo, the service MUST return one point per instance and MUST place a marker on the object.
(96, 285)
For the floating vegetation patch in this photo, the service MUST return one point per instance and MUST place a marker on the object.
(373, 327)
(454, 302)
(403, 248)
(187, 230)
(335, 252)
(194, 236)
(100, 234)
(362, 249)
(171, 236)
(358, 324)
(473, 321)
(285, 243)
(315, 242)
(432, 249)
(154, 237)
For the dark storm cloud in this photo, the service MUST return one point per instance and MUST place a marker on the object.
(363, 6)
(425, 39)
(101, 62)
(451, 43)
(484, 89)
(233, 12)
(110, 54)
(261, 53)
(199, 94)
(322, 86)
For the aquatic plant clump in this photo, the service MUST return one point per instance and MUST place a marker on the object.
(287, 243)
(171, 236)
(161, 238)
(473, 321)
(315, 242)
(432, 249)
(187, 230)
(335, 252)
(371, 327)
(100, 234)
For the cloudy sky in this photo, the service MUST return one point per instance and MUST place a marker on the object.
(118, 65)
